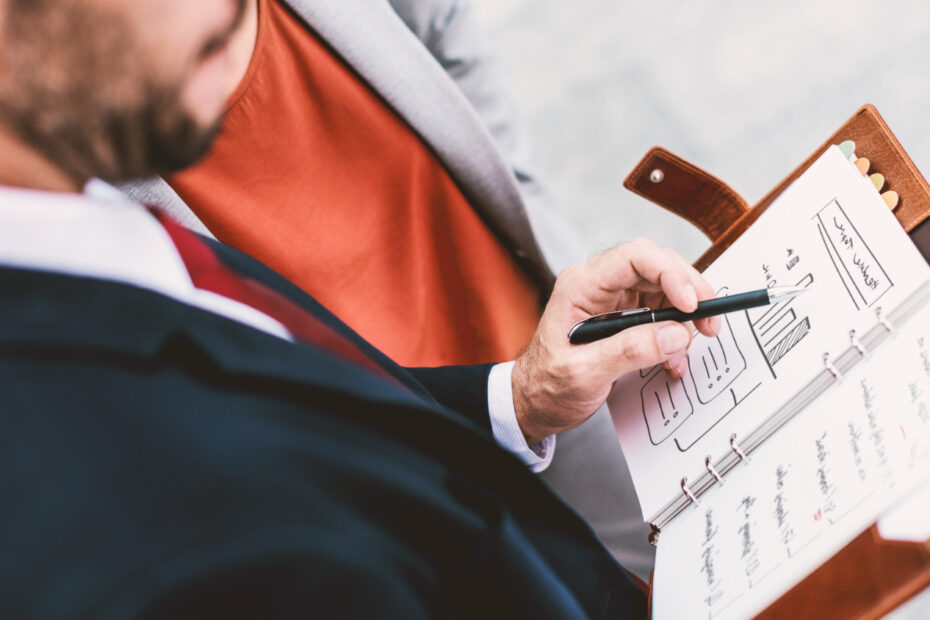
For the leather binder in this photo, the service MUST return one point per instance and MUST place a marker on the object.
(871, 575)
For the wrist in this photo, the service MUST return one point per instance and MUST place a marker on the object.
(504, 425)
(531, 423)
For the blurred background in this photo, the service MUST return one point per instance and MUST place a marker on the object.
(745, 90)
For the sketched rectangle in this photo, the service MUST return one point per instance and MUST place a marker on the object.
(858, 268)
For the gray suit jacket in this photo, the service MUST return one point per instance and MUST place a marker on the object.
(430, 62)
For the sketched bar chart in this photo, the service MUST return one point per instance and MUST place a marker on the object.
(779, 329)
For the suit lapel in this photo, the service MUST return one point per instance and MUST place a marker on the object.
(376, 43)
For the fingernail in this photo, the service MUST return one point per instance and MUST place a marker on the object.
(674, 364)
(690, 298)
(716, 323)
(672, 338)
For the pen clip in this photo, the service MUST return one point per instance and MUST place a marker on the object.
(607, 315)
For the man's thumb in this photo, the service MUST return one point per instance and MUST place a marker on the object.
(645, 346)
(672, 338)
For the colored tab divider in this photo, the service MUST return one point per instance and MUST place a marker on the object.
(862, 164)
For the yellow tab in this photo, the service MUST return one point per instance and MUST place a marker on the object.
(891, 198)
(878, 180)
(862, 165)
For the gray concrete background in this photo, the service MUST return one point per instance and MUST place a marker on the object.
(744, 89)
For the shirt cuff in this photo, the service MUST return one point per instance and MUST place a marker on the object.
(504, 424)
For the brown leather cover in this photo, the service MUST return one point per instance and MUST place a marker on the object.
(870, 576)
(866, 579)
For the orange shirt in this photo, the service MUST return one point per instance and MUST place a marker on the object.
(316, 177)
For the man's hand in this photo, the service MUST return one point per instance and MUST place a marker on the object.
(557, 385)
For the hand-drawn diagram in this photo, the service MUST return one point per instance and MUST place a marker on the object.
(717, 381)
(717, 365)
(778, 328)
(717, 372)
(666, 405)
(861, 273)
(715, 384)
(724, 371)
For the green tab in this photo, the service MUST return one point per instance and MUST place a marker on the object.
(847, 147)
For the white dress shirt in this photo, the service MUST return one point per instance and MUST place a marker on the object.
(103, 235)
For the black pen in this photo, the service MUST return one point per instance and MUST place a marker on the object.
(605, 325)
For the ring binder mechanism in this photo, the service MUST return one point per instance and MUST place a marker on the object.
(856, 344)
(833, 370)
(883, 321)
(737, 450)
(708, 463)
(688, 493)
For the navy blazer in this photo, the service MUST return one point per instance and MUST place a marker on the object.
(161, 461)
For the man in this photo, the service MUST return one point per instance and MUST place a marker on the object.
(371, 155)
(339, 104)
(188, 435)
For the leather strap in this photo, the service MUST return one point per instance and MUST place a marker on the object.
(687, 191)
(722, 215)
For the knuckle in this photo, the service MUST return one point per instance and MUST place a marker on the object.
(560, 367)
(569, 273)
(676, 257)
(569, 372)
(565, 276)
(571, 375)
(635, 351)
(642, 243)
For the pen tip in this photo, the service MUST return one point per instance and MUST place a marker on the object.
(780, 293)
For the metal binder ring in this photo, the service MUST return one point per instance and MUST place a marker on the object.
(856, 344)
(883, 321)
(687, 491)
(831, 368)
(713, 470)
(654, 532)
(735, 447)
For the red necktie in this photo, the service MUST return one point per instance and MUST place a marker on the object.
(209, 273)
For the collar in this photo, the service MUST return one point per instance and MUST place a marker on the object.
(100, 234)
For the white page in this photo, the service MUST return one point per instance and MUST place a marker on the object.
(908, 522)
(831, 232)
(809, 490)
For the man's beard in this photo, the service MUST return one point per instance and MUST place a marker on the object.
(88, 101)
(115, 144)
